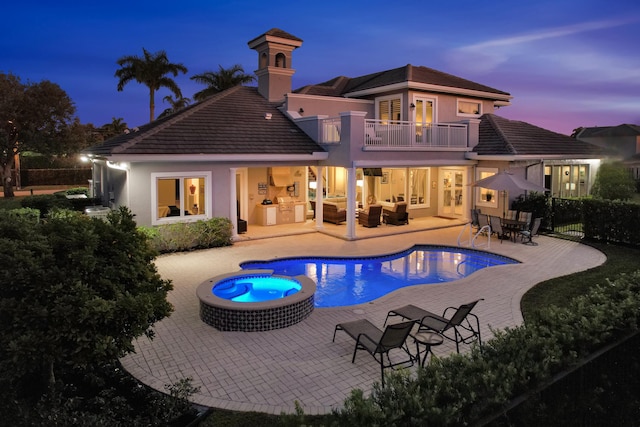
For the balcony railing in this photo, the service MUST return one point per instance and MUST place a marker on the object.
(412, 135)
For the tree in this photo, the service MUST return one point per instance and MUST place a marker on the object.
(613, 182)
(176, 105)
(151, 70)
(224, 79)
(33, 117)
(75, 291)
(116, 127)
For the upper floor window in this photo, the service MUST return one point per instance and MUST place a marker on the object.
(469, 108)
(177, 196)
(389, 109)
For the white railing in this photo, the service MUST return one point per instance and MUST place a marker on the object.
(330, 130)
(385, 134)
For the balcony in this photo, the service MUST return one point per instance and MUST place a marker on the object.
(401, 135)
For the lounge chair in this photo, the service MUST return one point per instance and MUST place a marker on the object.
(371, 216)
(377, 342)
(465, 325)
(528, 234)
(397, 215)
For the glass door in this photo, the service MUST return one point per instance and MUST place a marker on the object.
(423, 117)
(451, 193)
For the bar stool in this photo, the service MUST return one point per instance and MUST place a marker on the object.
(428, 340)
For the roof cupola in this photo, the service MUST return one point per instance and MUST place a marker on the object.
(274, 63)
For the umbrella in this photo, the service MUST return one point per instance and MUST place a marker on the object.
(506, 181)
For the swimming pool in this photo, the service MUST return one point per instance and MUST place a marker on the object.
(343, 281)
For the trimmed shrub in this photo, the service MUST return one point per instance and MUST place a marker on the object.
(186, 236)
(611, 221)
(465, 389)
(538, 204)
(45, 202)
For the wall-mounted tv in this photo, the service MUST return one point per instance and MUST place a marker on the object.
(372, 171)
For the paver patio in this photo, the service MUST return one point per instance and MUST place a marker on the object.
(269, 371)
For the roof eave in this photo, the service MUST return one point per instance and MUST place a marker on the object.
(516, 157)
(506, 98)
(136, 158)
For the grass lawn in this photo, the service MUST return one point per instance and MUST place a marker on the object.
(620, 259)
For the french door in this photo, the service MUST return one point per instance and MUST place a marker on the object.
(452, 193)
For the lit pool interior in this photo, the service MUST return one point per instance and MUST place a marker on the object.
(344, 281)
(255, 288)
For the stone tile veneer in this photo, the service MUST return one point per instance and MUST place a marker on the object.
(227, 315)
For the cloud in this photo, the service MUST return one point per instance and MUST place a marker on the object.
(486, 56)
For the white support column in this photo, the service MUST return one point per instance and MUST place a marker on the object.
(351, 203)
(233, 209)
(319, 198)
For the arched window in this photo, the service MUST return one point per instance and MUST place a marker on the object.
(263, 60)
(281, 60)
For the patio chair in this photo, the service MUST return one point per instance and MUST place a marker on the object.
(525, 217)
(496, 227)
(370, 217)
(377, 342)
(397, 215)
(475, 213)
(528, 234)
(464, 324)
(511, 214)
(483, 220)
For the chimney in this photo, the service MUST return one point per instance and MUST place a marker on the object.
(274, 63)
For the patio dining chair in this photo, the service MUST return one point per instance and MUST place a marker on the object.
(527, 235)
(378, 343)
(526, 218)
(461, 327)
(496, 227)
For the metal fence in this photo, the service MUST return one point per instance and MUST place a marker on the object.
(566, 217)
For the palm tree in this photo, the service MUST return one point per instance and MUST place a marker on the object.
(150, 70)
(116, 127)
(177, 104)
(224, 79)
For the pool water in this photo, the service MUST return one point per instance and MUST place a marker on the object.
(255, 288)
(349, 281)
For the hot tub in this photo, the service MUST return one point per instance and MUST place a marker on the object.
(243, 301)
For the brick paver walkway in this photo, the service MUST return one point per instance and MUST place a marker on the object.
(269, 371)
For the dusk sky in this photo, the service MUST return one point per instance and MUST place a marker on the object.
(566, 63)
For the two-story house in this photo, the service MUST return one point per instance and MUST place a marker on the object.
(410, 134)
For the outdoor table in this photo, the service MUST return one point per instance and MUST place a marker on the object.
(513, 226)
(428, 340)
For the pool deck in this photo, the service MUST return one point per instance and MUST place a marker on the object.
(269, 371)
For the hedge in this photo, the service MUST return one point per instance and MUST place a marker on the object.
(464, 389)
(611, 221)
(185, 236)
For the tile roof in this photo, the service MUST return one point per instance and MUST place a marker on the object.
(231, 122)
(276, 32)
(341, 86)
(610, 131)
(500, 136)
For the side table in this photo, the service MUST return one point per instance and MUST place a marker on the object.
(428, 340)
